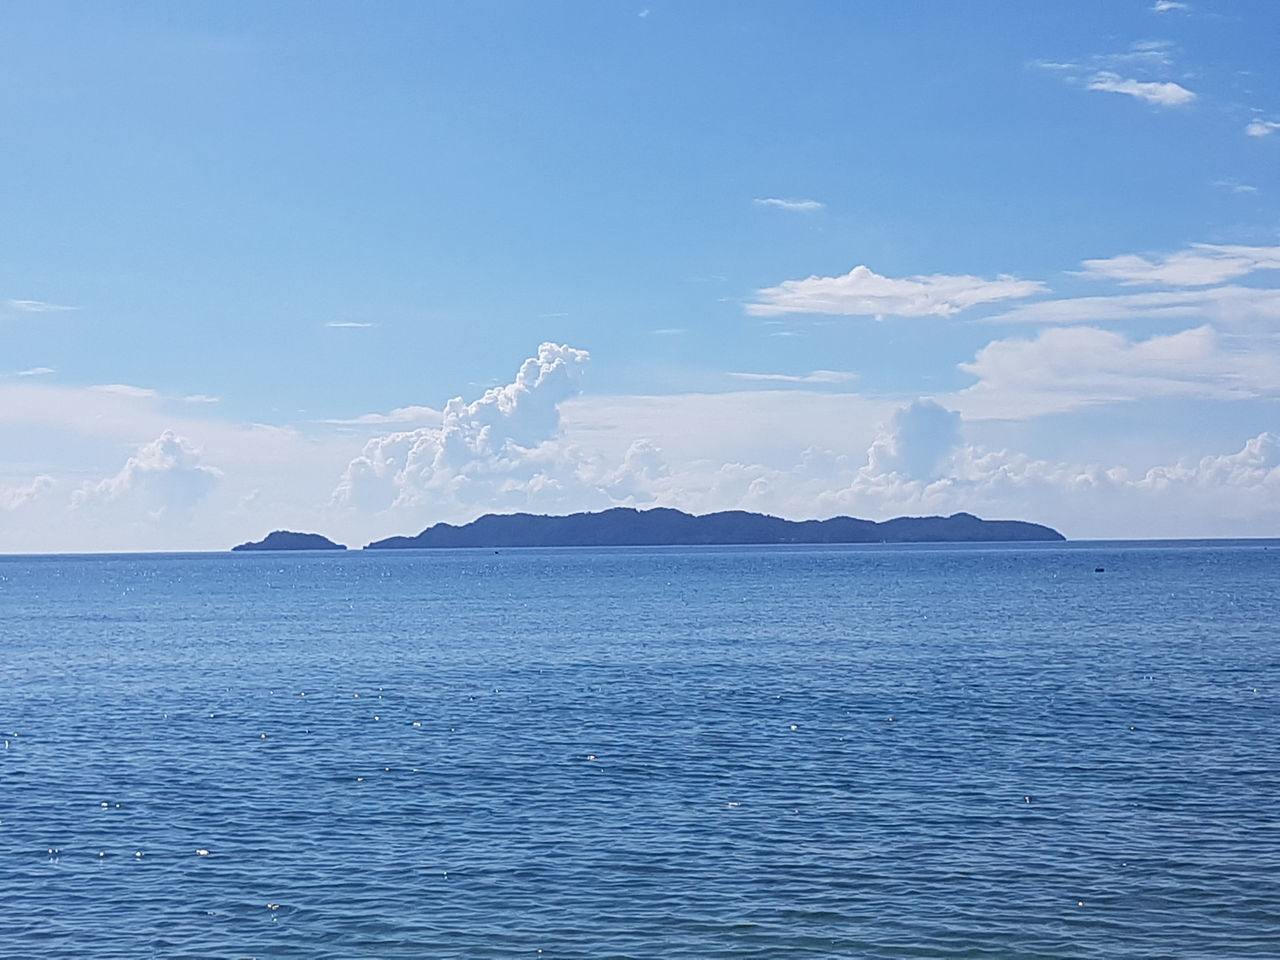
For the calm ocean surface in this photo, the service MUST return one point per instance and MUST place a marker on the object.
(689, 753)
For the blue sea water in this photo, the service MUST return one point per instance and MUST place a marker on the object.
(924, 751)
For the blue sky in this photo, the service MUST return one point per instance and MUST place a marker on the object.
(822, 258)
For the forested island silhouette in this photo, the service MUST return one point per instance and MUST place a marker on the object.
(663, 526)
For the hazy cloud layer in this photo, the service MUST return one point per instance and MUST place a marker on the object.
(1066, 368)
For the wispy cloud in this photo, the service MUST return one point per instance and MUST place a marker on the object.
(1257, 128)
(1234, 305)
(35, 372)
(126, 390)
(1140, 72)
(1201, 265)
(1142, 54)
(1160, 93)
(817, 376)
(201, 398)
(668, 331)
(863, 292)
(1234, 186)
(399, 415)
(35, 306)
(1065, 369)
(349, 324)
(794, 206)
(1167, 6)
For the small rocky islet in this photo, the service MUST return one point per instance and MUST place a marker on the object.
(289, 540)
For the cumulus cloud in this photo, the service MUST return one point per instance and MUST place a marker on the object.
(794, 206)
(1161, 93)
(817, 376)
(916, 443)
(12, 498)
(480, 450)
(1068, 368)
(1262, 128)
(863, 292)
(1200, 265)
(165, 476)
(1216, 495)
(35, 306)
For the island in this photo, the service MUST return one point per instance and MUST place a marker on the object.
(661, 526)
(288, 540)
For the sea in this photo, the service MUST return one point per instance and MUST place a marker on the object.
(884, 751)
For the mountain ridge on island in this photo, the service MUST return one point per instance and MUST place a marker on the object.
(288, 540)
(663, 526)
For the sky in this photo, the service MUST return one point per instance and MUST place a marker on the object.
(357, 269)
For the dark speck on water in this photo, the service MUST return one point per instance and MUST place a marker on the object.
(644, 752)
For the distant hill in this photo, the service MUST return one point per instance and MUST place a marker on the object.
(625, 526)
(288, 540)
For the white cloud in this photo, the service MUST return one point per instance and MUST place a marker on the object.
(1069, 368)
(35, 372)
(35, 306)
(1234, 494)
(1262, 128)
(1243, 307)
(480, 449)
(817, 376)
(163, 477)
(200, 398)
(668, 331)
(1161, 93)
(863, 292)
(398, 415)
(13, 498)
(1165, 6)
(1234, 186)
(1202, 264)
(126, 390)
(794, 206)
(349, 325)
(916, 443)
